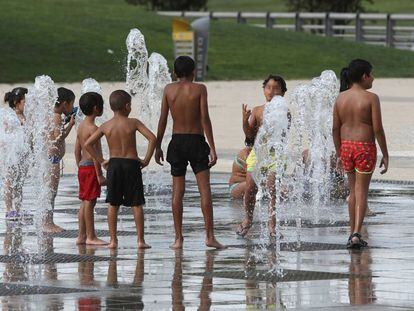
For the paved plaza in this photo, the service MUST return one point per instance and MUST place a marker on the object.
(318, 273)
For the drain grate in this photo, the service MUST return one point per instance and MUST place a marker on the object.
(51, 258)
(286, 276)
(294, 246)
(104, 211)
(7, 289)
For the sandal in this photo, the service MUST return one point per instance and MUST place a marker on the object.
(356, 245)
(243, 229)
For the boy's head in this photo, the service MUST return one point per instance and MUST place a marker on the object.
(16, 98)
(120, 101)
(91, 103)
(274, 85)
(358, 71)
(184, 67)
(65, 101)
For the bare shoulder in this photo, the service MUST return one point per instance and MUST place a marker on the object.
(257, 110)
(372, 96)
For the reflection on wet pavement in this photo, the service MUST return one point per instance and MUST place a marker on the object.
(319, 273)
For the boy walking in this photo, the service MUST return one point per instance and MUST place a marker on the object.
(124, 178)
(356, 124)
(89, 171)
(187, 102)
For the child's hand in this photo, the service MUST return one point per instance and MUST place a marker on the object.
(246, 112)
(104, 164)
(213, 158)
(72, 120)
(159, 156)
(102, 180)
(143, 163)
(384, 162)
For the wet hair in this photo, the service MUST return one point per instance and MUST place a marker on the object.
(354, 72)
(249, 142)
(183, 66)
(90, 100)
(119, 99)
(15, 96)
(64, 95)
(278, 79)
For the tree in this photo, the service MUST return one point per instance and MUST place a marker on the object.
(173, 5)
(327, 5)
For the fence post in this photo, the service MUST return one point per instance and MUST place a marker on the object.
(269, 21)
(328, 25)
(298, 22)
(240, 19)
(390, 31)
(358, 28)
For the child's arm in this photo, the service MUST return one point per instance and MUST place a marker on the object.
(246, 113)
(98, 168)
(206, 123)
(89, 147)
(336, 134)
(336, 130)
(162, 124)
(78, 151)
(379, 132)
(60, 135)
(151, 142)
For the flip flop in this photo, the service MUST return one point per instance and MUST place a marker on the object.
(356, 245)
(243, 229)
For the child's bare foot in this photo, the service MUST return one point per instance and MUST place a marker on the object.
(52, 228)
(178, 244)
(214, 243)
(96, 241)
(113, 244)
(143, 245)
(81, 240)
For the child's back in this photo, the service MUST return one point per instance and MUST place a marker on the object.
(184, 101)
(355, 111)
(120, 133)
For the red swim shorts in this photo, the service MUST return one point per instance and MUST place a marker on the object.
(89, 187)
(358, 156)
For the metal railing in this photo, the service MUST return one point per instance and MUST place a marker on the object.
(392, 30)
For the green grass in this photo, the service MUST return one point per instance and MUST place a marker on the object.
(386, 6)
(69, 39)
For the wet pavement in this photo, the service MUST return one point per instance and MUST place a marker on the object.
(318, 273)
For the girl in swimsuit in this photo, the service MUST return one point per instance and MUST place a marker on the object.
(237, 181)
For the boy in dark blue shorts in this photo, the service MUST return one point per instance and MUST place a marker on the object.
(187, 102)
(124, 178)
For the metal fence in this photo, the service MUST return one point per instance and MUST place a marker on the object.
(392, 30)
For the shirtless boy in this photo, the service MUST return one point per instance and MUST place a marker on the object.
(63, 109)
(187, 102)
(356, 124)
(124, 178)
(252, 120)
(89, 171)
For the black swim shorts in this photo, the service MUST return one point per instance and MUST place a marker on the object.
(124, 182)
(184, 148)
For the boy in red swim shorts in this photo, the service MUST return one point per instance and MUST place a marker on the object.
(89, 171)
(356, 125)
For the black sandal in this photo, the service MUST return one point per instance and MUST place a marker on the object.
(361, 243)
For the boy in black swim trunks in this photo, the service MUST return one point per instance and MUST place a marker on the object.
(187, 102)
(124, 179)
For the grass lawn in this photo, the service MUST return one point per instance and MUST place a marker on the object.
(69, 40)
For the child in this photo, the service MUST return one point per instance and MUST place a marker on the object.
(89, 174)
(124, 178)
(252, 120)
(356, 125)
(237, 181)
(16, 174)
(187, 102)
(63, 108)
